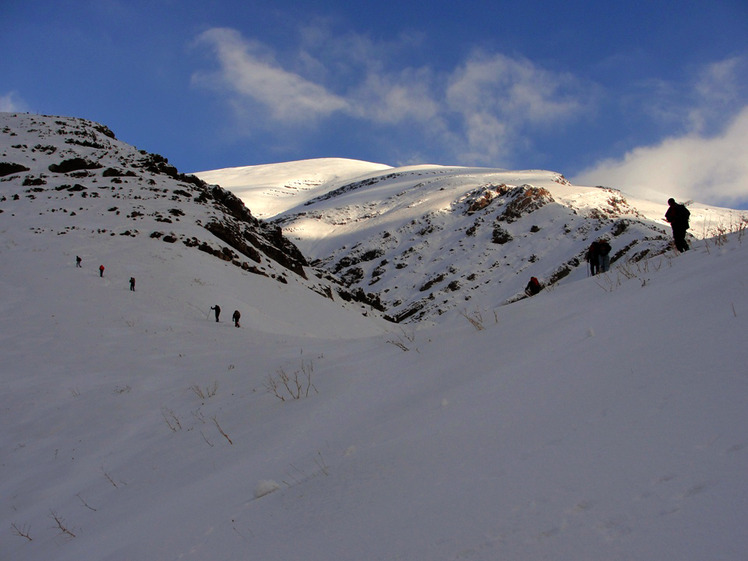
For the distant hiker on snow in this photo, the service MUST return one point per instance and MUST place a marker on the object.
(593, 257)
(132, 284)
(603, 251)
(101, 270)
(678, 216)
(217, 309)
(533, 287)
(236, 317)
(78, 261)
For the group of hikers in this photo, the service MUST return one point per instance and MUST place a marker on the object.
(217, 309)
(79, 265)
(597, 257)
(235, 317)
(598, 254)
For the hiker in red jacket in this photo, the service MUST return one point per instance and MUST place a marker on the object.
(533, 287)
(101, 270)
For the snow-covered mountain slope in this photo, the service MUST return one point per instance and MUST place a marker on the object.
(604, 419)
(79, 171)
(273, 187)
(65, 176)
(422, 240)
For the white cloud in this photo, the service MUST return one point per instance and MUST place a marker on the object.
(718, 81)
(246, 72)
(499, 98)
(717, 89)
(712, 170)
(388, 99)
(487, 138)
(513, 88)
(485, 111)
(478, 113)
(12, 103)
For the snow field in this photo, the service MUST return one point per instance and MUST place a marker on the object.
(585, 423)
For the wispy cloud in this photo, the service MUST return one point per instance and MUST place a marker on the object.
(515, 88)
(386, 98)
(247, 71)
(478, 113)
(717, 91)
(12, 103)
(498, 98)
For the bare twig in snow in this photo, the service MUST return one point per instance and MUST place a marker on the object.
(64, 530)
(24, 531)
(226, 436)
(88, 506)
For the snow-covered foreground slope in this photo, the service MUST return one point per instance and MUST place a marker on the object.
(604, 419)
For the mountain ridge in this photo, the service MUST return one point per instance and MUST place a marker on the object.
(412, 242)
(78, 174)
(71, 179)
(386, 233)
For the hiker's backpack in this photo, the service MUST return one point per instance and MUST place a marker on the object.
(685, 215)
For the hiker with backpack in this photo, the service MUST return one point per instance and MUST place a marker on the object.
(533, 287)
(678, 215)
(603, 250)
(593, 258)
(236, 317)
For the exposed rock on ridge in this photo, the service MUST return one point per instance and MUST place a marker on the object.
(149, 192)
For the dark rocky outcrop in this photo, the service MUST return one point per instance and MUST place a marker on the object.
(9, 168)
(73, 164)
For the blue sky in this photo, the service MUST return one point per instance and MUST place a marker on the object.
(648, 96)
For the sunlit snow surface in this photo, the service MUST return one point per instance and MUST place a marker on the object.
(602, 419)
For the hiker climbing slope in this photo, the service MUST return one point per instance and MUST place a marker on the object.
(678, 215)
(217, 310)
